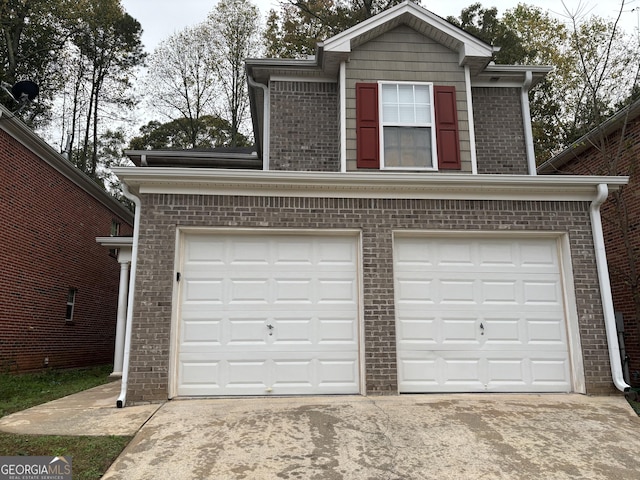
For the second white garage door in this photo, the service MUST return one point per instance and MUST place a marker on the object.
(484, 314)
(268, 314)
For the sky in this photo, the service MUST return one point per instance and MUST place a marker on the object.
(161, 18)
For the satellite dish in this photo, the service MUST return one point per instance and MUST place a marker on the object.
(25, 91)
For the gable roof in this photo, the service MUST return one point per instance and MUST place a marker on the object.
(472, 51)
(587, 141)
(330, 53)
(18, 130)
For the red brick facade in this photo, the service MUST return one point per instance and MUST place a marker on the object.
(605, 161)
(50, 225)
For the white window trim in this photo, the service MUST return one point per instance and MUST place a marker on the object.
(432, 126)
(71, 303)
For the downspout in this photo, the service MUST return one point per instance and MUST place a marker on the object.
(472, 127)
(266, 120)
(121, 401)
(343, 116)
(605, 289)
(526, 120)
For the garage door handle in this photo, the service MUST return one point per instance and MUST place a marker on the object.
(481, 329)
(270, 327)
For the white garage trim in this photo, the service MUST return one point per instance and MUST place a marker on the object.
(278, 350)
(420, 357)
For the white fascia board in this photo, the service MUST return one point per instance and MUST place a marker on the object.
(203, 181)
(498, 84)
(301, 78)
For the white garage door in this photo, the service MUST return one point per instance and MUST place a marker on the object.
(476, 315)
(268, 314)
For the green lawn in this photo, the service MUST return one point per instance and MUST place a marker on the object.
(91, 455)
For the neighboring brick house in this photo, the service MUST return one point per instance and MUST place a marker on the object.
(58, 287)
(390, 235)
(604, 151)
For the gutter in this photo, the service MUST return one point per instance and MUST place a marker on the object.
(122, 399)
(605, 289)
(526, 117)
(266, 116)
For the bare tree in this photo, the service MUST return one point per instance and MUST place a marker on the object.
(234, 27)
(181, 83)
(609, 77)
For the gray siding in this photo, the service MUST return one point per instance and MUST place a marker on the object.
(500, 143)
(304, 126)
(403, 54)
(377, 219)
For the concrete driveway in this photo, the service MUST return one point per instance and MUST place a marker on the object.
(392, 438)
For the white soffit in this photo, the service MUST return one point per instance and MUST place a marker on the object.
(205, 181)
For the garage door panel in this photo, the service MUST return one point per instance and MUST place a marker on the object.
(205, 331)
(420, 330)
(286, 322)
(542, 292)
(550, 371)
(203, 291)
(459, 331)
(283, 374)
(335, 330)
(336, 290)
(496, 311)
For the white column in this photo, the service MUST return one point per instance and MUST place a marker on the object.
(123, 294)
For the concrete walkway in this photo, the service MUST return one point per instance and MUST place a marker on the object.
(92, 412)
(408, 437)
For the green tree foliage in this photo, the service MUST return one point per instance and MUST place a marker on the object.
(33, 36)
(177, 134)
(485, 24)
(81, 53)
(108, 47)
(294, 31)
(591, 53)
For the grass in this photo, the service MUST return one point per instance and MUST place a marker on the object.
(92, 456)
(635, 405)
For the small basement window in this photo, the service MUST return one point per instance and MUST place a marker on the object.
(71, 303)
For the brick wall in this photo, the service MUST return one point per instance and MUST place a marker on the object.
(593, 162)
(500, 144)
(376, 218)
(304, 126)
(48, 245)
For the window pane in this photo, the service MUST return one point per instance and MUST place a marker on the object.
(405, 93)
(423, 114)
(422, 94)
(407, 114)
(389, 93)
(407, 147)
(390, 113)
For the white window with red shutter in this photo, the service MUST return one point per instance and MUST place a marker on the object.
(407, 126)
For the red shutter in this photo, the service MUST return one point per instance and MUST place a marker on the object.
(367, 138)
(447, 136)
